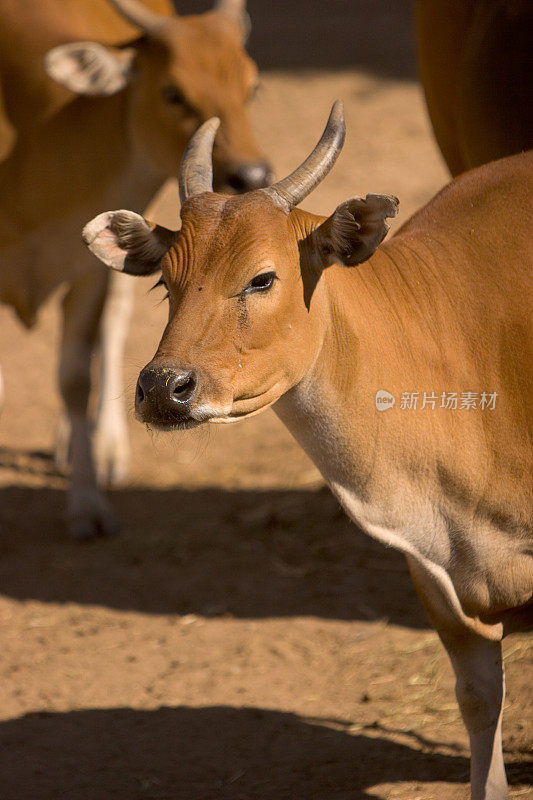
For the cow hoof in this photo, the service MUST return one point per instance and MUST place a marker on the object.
(111, 452)
(89, 514)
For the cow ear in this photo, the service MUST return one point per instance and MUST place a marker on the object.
(89, 68)
(355, 229)
(126, 242)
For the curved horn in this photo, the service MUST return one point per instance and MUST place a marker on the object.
(140, 15)
(196, 169)
(296, 186)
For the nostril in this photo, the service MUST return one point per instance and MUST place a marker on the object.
(162, 390)
(184, 387)
(237, 182)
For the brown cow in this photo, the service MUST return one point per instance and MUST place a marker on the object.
(271, 305)
(109, 129)
(475, 66)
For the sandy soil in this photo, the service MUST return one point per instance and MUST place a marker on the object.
(241, 639)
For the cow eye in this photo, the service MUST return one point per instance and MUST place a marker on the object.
(261, 283)
(174, 96)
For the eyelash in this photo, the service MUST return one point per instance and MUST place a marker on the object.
(161, 282)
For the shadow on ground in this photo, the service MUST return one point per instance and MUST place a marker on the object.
(251, 554)
(376, 36)
(203, 753)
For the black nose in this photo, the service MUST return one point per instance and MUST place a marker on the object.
(246, 177)
(163, 394)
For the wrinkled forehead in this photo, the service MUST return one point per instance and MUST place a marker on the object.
(223, 235)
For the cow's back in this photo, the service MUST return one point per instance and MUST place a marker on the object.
(487, 216)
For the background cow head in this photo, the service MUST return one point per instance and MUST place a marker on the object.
(180, 72)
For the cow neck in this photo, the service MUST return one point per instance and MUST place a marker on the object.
(374, 337)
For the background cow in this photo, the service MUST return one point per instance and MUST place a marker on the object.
(266, 307)
(110, 128)
(474, 60)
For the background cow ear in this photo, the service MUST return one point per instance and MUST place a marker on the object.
(89, 68)
(126, 242)
(355, 229)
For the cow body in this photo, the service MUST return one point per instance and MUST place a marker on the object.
(109, 128)
(274, 306)
(474, 58)
(444, 306)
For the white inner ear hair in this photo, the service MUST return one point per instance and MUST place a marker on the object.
(136, 238)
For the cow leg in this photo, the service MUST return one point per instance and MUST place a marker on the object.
(111, 442)
(88, 511)
(480, 689)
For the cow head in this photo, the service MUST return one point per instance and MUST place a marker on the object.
(182, 71)
(247, 283)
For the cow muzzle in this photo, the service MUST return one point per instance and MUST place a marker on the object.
(163, 396)
(246, 176)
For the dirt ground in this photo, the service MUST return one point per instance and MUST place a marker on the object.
(241, 639)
